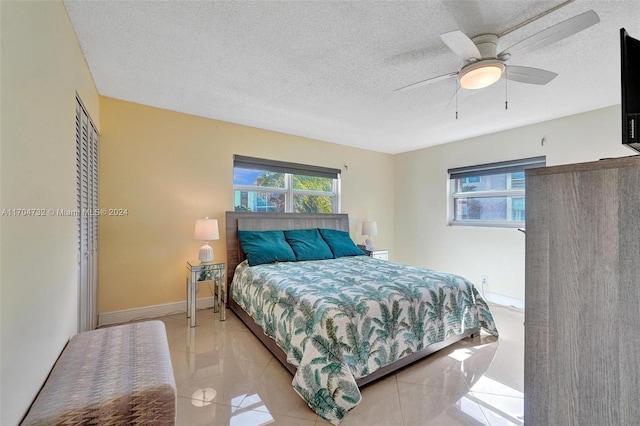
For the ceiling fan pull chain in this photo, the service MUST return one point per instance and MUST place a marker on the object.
(506, 91)
(457, 99)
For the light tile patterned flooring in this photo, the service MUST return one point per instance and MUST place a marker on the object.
(225, 376)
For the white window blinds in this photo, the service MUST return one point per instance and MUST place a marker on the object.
(87, 198)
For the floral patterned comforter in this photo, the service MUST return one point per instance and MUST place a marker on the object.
(341, 319)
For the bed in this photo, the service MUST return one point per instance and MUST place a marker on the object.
(339, 323)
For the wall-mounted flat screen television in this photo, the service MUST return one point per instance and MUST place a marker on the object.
(630, 72)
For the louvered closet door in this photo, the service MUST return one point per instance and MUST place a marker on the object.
(87, 193)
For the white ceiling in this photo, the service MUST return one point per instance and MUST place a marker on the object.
(327, 69)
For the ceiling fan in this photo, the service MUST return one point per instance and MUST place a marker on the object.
(482, 66)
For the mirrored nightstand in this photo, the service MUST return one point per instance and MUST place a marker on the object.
(382, 254)
(197, 272)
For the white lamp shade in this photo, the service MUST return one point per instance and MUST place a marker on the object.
(206, 230)
(369, 228)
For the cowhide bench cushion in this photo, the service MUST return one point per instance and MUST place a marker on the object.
(118, 375)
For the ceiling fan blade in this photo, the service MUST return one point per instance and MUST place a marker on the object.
(461, 45)
(552, 34)
(529, 75)
(427, 81)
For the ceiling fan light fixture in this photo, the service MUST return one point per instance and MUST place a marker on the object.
(481, 74)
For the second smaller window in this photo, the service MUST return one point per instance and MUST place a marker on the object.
(490, 194)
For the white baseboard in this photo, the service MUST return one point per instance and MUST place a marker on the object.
(155, 311)
(499, 299)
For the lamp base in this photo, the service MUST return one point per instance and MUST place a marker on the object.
(368, 244)
(206, 253)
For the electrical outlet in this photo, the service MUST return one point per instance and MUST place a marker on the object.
(484, 281)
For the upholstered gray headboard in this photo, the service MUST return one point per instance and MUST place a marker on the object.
(272, 221)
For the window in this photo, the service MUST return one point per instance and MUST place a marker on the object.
(490, 194)
(271, 186)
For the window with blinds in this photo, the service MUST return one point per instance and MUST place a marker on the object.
(87, 198)
(272, 186)
(490, 194)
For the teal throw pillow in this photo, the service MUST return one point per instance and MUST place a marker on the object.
(262, 247)
(307, 244)
(340, 243)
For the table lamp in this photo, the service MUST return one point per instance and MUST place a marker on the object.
(369, 228)
(206, 230)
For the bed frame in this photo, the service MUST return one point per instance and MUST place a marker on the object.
(284, 221)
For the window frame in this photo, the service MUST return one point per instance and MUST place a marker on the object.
(489, 169)
(289, 170)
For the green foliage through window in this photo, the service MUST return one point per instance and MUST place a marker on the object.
(275, 192)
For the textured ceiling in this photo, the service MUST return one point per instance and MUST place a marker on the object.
(328, 69)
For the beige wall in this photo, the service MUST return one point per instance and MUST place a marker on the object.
(42, 69)
(422, 236)
(169, 169)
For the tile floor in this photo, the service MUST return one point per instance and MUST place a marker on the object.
(225, 376)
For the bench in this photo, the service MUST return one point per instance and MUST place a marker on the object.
(118, 375)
